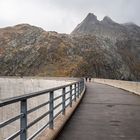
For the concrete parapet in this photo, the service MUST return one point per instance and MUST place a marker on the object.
(126, 85)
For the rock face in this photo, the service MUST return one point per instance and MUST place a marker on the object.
(103, 49)
(106, 28)
(122, 40)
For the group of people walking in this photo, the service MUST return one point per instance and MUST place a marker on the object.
(88, 79)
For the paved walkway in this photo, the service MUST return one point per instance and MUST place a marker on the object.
(105, 113)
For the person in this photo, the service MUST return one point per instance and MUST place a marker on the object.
(86, 78)
(89, 79)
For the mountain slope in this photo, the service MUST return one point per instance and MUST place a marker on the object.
(29, 50)
(125, 38)
(103, 49)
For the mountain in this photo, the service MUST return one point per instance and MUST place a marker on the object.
(106, 28)
(29, 50)
(124, 38)
(103, 49)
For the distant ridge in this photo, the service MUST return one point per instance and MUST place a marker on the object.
(105, 28)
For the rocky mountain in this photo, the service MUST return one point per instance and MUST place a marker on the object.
(103, 49)
(107, 28)
(123, 38)
(29, 50)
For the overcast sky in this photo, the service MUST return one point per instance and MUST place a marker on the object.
(63, 15)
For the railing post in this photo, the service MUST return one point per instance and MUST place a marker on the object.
(78, 89)
(83, 85)
(51, 105)
(80, 86)
(63, 100)
(23, 119)
(75, 92)
(70, 95)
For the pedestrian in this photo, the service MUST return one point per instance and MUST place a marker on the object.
(89, 79)
(86, 78)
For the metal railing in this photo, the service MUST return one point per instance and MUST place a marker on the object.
(75, 90)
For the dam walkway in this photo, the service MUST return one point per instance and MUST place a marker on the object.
(105, 113)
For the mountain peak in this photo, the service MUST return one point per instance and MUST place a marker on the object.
(107, 19)
(91, 18)
(91, 15)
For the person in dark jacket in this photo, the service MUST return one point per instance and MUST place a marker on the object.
(86, 78)
(89, 79)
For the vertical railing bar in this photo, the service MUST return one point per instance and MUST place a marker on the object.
(75, 92)
(63, 100)
(70, 95)
(51, 105)
(82, 85)
(23, 120)
(78, 89)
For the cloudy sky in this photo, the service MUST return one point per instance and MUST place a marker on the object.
(63, 15)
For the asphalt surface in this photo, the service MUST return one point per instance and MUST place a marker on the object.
(105, 113)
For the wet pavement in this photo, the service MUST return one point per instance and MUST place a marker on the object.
(105, 113)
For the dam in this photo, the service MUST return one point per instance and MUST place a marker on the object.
(101, 109)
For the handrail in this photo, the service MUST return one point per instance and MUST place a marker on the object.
(30, 95)
(75, 91)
